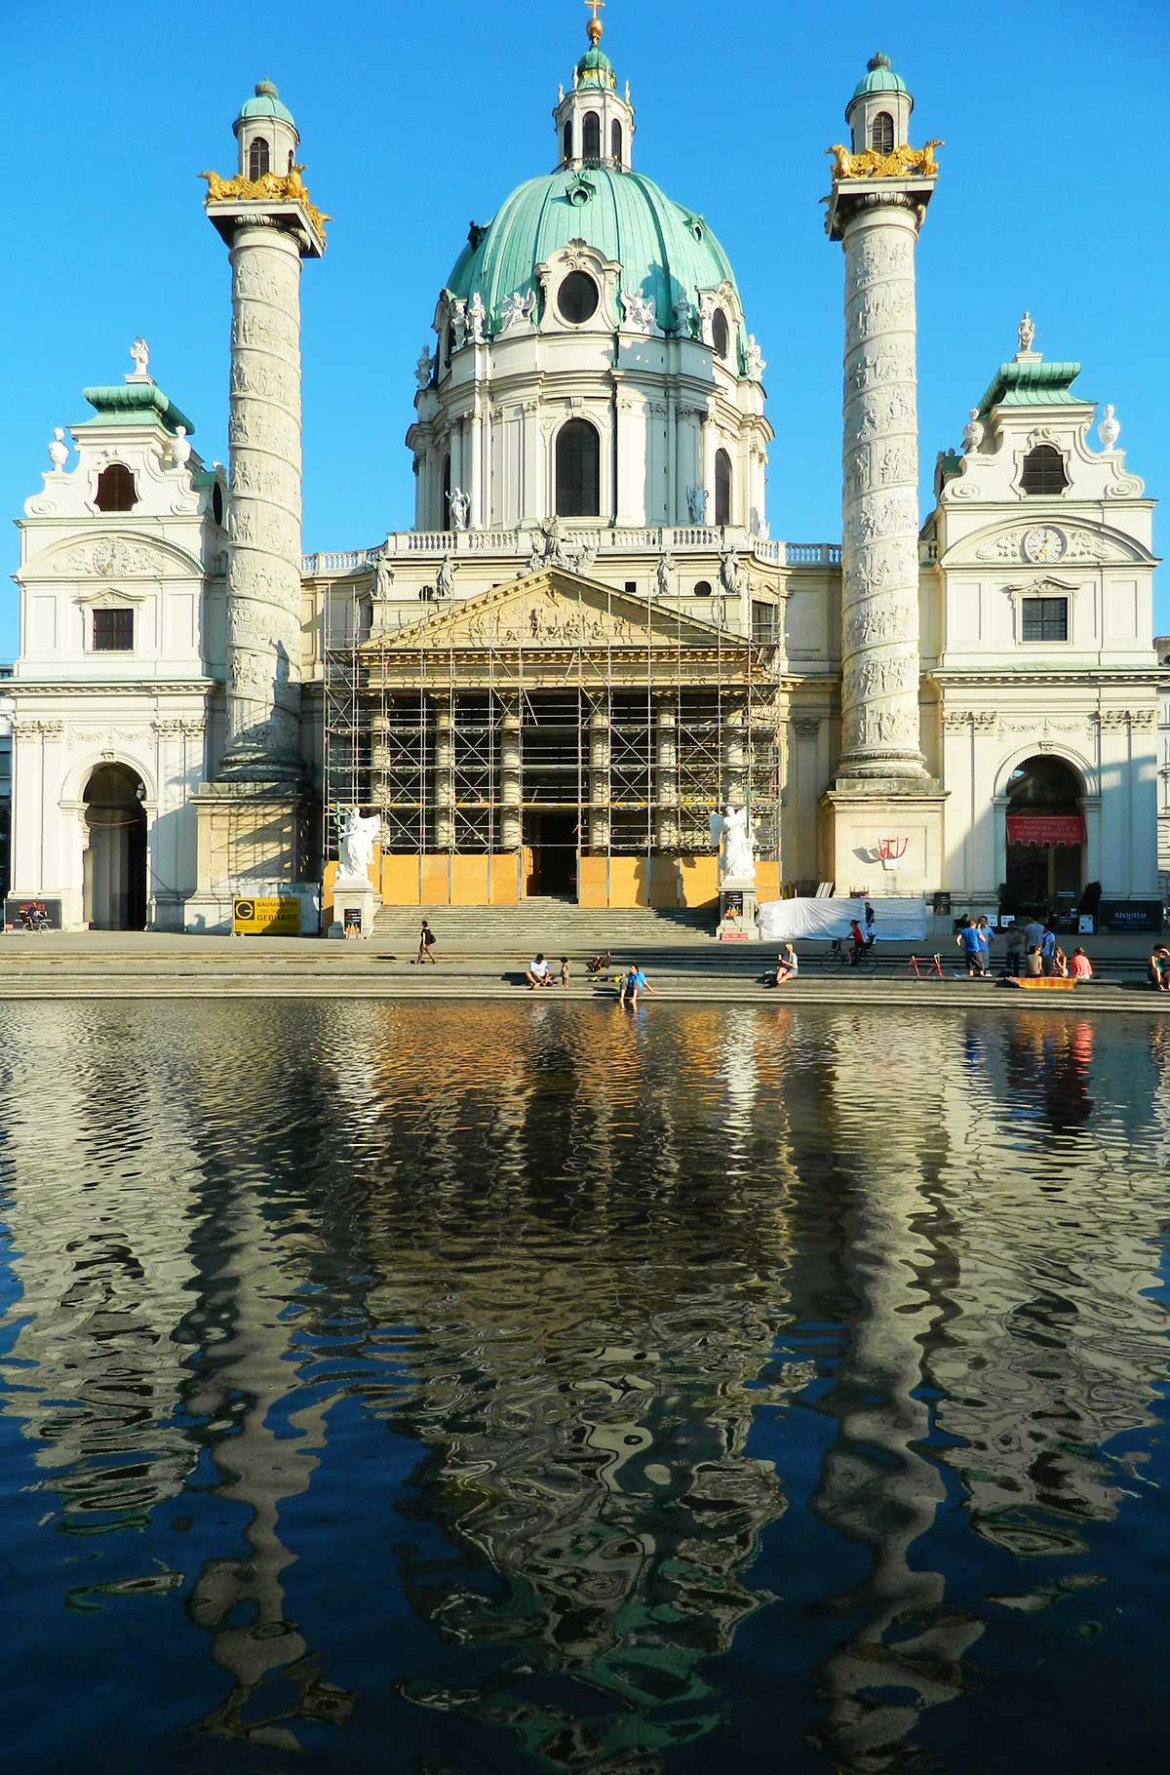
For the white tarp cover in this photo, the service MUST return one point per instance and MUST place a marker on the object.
(897, 921)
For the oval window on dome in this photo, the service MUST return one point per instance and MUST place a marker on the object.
(720, 336)
(577, 298)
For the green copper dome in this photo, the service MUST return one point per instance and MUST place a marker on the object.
(665, 251)
(880, 78)
(596, 69)
(267, 103)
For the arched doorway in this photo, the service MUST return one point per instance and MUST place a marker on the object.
(114, 883)
(1045, 835)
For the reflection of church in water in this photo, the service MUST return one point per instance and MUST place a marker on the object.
(590, 637)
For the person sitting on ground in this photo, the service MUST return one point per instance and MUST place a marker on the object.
(565, 970)
(1059, 963)
(1034, 962)
(1158, 970)
(539, 973)
(598, 963)
(787, 965)
(633, 983)
(1080, 967)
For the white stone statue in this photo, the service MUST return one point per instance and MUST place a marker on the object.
(460, 504)
(459, 322)
(357, 840)
(664, 575)
(737, 862)
(707, 320)
(445, 583)
(683, 311)
(1027, 332)
(640, 314)
(383, 578)
(140, 357)
(973, 431)
(517, 309)
(59, 449)
(1108, 431)
(757, 363)
(424, 369)
(697, 504)
(476, 317)
(730, 574)
(180, 448)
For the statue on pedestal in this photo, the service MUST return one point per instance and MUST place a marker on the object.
(356, 843)
(59, 449)
(737, 862)
(460, 503)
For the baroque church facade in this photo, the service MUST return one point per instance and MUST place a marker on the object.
(589, 639)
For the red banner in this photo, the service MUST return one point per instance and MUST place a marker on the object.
(1045, 829)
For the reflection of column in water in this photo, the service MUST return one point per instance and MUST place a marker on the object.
(99, 1217)
(1057, 1343)
(875, 1488)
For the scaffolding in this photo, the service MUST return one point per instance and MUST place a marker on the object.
(547, 725)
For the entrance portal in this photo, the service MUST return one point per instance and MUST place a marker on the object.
(1045, 836)
(554, 854)
(114, 884)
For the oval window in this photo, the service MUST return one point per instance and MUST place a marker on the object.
(720, 336)
(577, 298)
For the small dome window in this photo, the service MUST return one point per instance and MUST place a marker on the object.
(720, 333)
(115, 489)
(881, 133)
(615, 138)
(578, 470)
(577, 298)
(702, 588)
(591, 136)
(722, 487)
(259, 158)
(217, 503)
(1044, 472)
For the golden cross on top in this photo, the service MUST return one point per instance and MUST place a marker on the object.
(595, 6)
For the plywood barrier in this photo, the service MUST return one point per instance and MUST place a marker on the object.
(593, 881)
(469, 881)
(505, 879)
(767, 881)
(400, 881)
(436, 881)
(700, 880)
(629, 881)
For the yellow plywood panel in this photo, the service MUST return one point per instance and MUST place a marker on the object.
(469, 881)
(663, 879)
(767, 881)
(399, 881)
(628, 881)
(528, 870)
(505, 879)
(436, 881)
(592, 881)
(327, 895)
(700, 880)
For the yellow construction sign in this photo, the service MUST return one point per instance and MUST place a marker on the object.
(266, 918)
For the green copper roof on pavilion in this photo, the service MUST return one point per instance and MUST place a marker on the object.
(130, 403)
(880, 77)
(266, 103)
(1032, 385)
(596, 69)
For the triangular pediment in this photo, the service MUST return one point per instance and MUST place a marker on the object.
(552, 609)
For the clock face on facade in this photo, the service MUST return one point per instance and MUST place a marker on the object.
(1043, 543)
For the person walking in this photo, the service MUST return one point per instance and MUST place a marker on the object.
(426, 944)
(633, 983)
(969, 942)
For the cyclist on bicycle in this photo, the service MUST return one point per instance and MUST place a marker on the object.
(861, 943)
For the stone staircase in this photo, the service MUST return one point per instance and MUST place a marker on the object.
(558, 927)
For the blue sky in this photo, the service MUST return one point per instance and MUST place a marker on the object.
(415, 120)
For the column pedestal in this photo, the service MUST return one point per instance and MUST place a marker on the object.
(254, 841)
(855, 816)
(355, 904)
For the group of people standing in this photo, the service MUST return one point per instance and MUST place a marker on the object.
(1033, 952)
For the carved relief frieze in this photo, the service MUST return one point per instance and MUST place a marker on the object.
(112, 557)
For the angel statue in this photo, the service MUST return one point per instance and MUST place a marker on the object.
(737, 863)
(358, 837)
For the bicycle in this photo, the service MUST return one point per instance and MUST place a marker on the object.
(838, 956)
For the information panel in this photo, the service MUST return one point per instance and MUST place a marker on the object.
(266, 918)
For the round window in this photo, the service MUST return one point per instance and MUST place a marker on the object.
(577, 298)
(702, 588)
(719, 333)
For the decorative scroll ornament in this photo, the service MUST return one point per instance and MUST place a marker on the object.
(268, 188)
(898, 165)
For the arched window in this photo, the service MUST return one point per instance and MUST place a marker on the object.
(1044, 472)
(722, 487)
(115, 489)
(591, 136)
(569, 140)
(450, 342)
(615, 141)
(445, 514)
(720, 336)
(881, 133)
(258, 158)
(578, 470)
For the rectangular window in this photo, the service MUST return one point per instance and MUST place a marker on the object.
(113, 631)
(763, 621)
(1045, 619)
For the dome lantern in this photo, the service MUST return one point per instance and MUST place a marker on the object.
(879, 111)
(594, 122)
(266, 133)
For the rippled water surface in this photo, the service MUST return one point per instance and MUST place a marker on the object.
(439, 1389)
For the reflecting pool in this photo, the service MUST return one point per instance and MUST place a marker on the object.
(461, 1388)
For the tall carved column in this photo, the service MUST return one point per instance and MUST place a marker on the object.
(511, 824)
(879, 605)
(666, 829)
(599, 781)
(444, 780)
